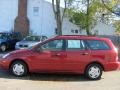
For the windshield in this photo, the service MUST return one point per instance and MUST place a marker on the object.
(32, 38)
(3, 35)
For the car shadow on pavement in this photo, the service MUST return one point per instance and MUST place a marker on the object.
(45, 77)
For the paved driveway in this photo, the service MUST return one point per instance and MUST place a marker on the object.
(109, 81)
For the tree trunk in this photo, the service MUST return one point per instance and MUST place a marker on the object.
(59, 28)
(87, 19)
(58, 17)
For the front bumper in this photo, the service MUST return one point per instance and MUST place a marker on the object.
(4, 64)
(111, 66)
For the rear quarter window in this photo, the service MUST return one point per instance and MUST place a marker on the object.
(97, 45)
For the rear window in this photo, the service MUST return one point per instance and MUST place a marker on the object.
(97, 45)
(32, 38)
(75, 45)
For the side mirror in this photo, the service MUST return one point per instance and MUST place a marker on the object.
(39, 49)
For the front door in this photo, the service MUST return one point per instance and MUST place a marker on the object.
(50, 56)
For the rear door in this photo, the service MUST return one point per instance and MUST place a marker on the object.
(77, 56)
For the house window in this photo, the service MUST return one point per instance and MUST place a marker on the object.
(76, 31)
(36, 10)
(72, 31)
(56, 31)
(96, 32)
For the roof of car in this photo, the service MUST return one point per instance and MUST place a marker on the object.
(80, 37)
(6, 32)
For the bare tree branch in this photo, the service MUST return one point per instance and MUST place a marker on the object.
(65, 2)
(109, 8)
(53, 5)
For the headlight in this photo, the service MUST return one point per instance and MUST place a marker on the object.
(33, 44)
(17, 44)
(30, 45)
(6, 55)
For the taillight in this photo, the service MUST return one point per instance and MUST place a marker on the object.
(116, 49)
(115, 53)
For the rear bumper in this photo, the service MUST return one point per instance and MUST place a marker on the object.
(111, 66)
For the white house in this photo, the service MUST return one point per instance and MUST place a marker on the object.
(34, 16)
(37, 16)
(103, 29)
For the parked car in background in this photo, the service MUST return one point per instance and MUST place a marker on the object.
(64, 54)
(9, 39)
(29, 41)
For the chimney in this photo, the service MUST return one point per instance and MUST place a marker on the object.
(21, 21)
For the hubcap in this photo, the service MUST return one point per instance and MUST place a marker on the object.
(18, 69)
(3, 47)
(94, 72)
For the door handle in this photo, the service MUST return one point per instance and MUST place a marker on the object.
(85, 53)
(57, 54)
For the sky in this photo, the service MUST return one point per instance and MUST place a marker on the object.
(62, 2)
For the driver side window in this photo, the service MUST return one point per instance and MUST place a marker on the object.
(55, 45)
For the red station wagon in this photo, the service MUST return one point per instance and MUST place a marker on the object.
(65, 54)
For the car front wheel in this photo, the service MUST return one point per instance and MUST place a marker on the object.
(18, 68)
(94, 71)
(3, 47)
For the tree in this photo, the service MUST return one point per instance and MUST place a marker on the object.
(59, 13)
(117, 26)
(87, 18)
(95, 11)
(112, 5)
(79, 19)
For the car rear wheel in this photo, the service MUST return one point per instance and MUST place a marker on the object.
(18, 68)
(3, 47)
(94, 72)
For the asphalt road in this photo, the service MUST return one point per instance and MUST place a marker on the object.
(109, 81)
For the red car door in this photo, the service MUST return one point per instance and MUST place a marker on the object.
(77, 56)
(49, 58)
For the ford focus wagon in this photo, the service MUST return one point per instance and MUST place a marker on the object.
(64, 54)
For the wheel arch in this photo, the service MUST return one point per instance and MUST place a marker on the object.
(21, 61)
(5, 43)
(95, 62)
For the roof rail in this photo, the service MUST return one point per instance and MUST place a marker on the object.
(80, 35)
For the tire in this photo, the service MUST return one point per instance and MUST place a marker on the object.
(3, 47)
(94, 72)
(18, 68)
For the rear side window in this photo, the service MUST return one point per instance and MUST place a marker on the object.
(97, 45)
(75, 45)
